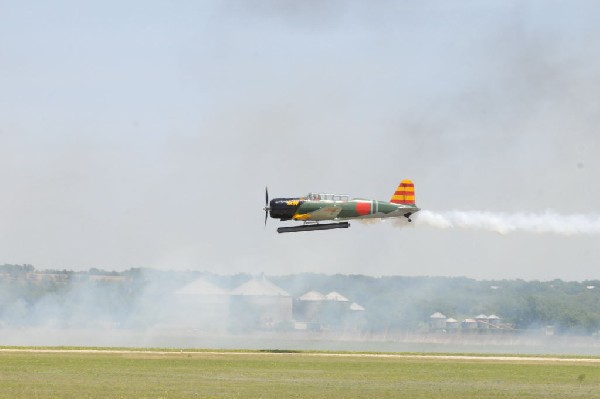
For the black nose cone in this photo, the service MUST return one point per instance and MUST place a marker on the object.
(284, 208)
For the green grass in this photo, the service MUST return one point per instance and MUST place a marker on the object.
(193, 374)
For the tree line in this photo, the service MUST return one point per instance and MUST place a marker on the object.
(392, 303)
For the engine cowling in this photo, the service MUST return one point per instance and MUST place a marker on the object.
(284, 208)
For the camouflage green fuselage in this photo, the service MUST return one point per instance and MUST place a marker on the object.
(304, 209)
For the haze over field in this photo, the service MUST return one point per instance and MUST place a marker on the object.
(143, 133)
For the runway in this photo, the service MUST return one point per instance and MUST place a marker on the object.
(495, 358)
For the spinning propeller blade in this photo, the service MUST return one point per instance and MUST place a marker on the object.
(266, 205)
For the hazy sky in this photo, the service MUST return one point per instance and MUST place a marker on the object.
(143, 133)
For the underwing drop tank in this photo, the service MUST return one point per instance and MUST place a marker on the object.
(316, 226)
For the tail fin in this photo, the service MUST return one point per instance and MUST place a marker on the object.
(405, 193)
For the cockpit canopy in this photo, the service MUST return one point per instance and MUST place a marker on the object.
(328, 197)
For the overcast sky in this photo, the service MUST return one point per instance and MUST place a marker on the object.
(143, 133)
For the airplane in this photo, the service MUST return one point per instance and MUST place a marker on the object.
(317, 207)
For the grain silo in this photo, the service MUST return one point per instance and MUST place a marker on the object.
(259, 304)
(437, 321)
(335, 310)
(494, 321)
(355, 319)
(199, 304)
(482, 322)
(308, 306)
(331, 311)
(452, 325)
(469, 325)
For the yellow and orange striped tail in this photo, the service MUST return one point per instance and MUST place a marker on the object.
(405, 193)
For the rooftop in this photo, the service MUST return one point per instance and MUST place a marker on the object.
(200, 286)
(437, 315)
(259, 287)
(312, 296)
(336, 296)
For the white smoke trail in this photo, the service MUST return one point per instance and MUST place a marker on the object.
(504, 223)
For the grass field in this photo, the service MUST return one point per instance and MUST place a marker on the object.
(192, 374)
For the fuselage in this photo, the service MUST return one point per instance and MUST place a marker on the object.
(318, 207)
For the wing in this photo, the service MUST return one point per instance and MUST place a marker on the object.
(326, 213)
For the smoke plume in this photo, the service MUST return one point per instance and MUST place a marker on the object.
(504, 223)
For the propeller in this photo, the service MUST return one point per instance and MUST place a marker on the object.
(266, 208)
